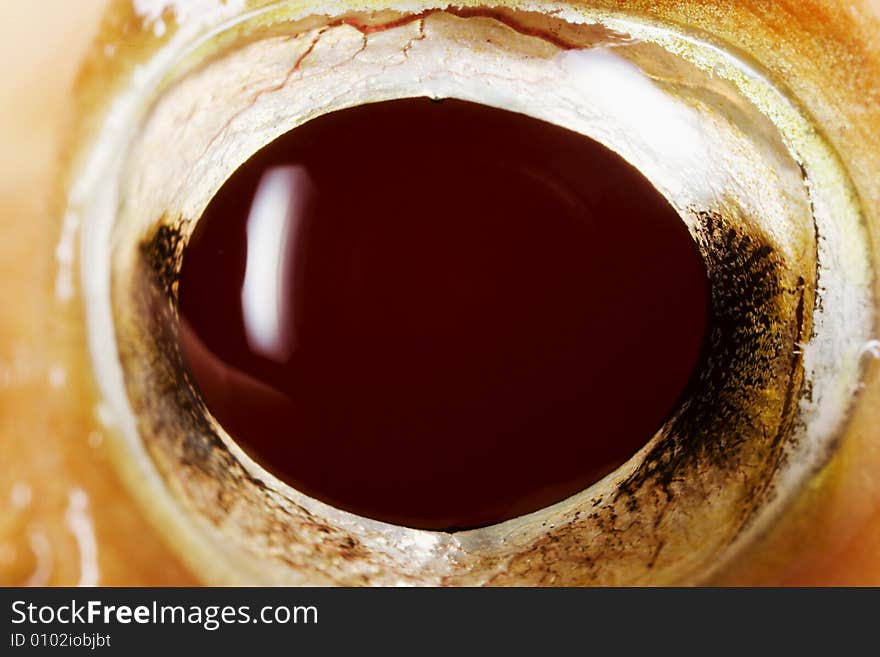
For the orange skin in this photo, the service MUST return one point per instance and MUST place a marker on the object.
(58, 488)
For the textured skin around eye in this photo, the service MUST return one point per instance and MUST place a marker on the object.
(47, 433)
(58, 488)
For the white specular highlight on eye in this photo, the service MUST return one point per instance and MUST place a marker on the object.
(273, 227)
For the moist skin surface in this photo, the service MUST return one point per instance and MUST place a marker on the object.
(449, 364)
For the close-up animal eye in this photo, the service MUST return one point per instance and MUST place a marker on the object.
(379, 294)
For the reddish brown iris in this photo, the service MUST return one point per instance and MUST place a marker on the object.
(440, 314)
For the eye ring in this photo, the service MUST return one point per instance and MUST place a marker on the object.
(453, 556)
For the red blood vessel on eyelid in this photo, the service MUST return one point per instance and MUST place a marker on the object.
(440, 314)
